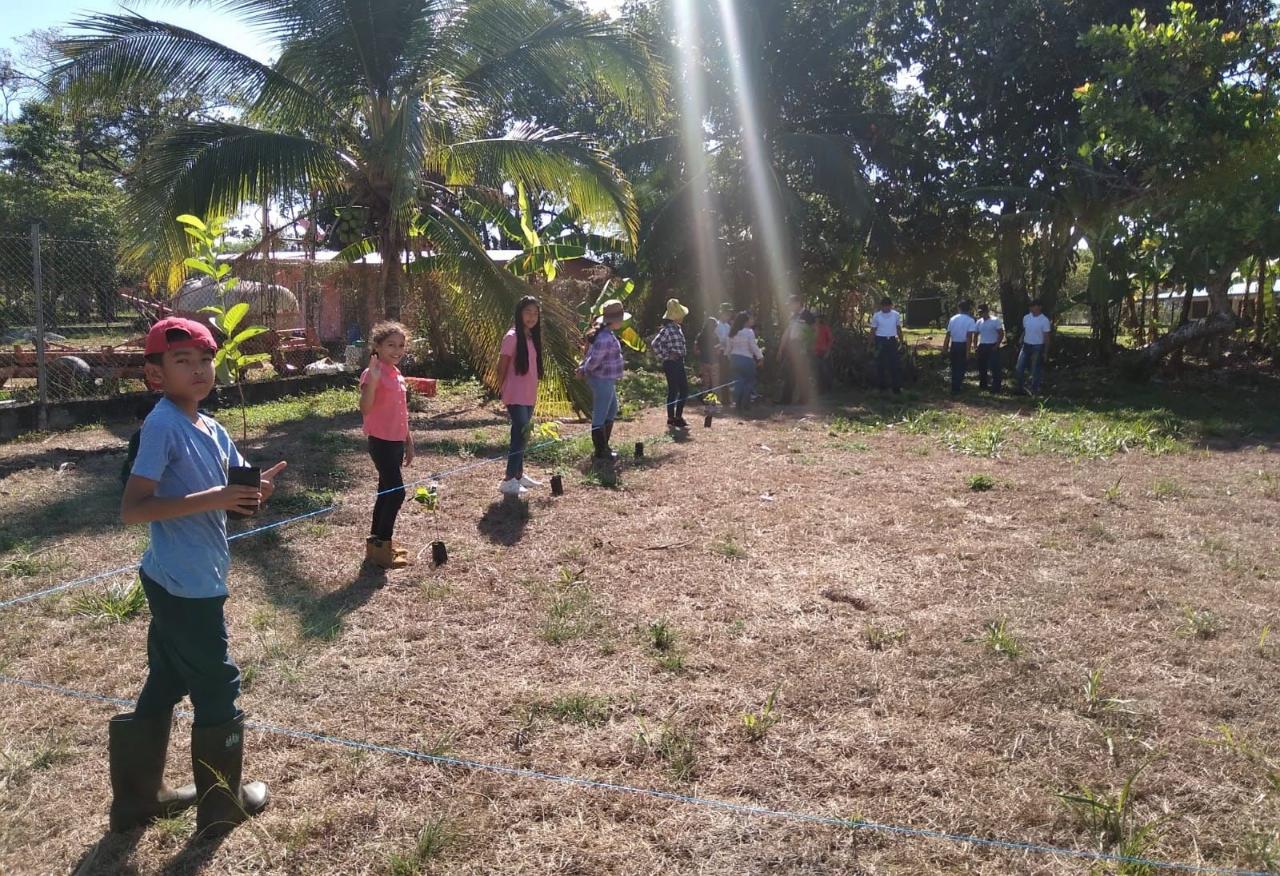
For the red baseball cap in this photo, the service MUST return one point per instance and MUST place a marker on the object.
(198, 335)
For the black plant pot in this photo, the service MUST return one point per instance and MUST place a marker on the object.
(243, 476)
(557, 485)
(706, 421)
(439, 553)
(639, 450)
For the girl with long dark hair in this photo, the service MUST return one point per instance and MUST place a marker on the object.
(744, 356)
(519, 368)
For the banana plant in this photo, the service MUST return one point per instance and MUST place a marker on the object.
(542, 249)
(623, 290)
(231, 361)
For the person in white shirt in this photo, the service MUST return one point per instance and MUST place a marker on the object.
(886, 329)
(990, 337)
(723, 325)
(961, 332)
(744, 356)
(1036, 332)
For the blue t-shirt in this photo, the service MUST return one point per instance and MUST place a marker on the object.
(188, 556)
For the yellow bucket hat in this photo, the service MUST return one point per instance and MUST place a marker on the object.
(675, 310)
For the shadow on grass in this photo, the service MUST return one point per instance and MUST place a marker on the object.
(195, 856)
(504, 521)
(110, 854)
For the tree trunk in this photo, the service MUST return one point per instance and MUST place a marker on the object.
(1143, 362)
(390, 249)
(1009, 267)
(1260, 310)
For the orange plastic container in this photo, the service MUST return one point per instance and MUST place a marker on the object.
(423, 385)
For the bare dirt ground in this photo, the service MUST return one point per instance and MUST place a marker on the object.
(623, 634)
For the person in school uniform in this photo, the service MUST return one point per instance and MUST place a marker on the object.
(886, 328)
(1036, 332)
(962, 330)
(990, 337)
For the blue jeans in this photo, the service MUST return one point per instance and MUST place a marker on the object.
(888, 365)
(744, 376)
(959, 364)
(604, 401)
(1031, 355)
(521, 417)
(989, 362)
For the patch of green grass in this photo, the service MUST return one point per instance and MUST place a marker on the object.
(674, 744)
(571, 613)
(1113, 493)
(933, 421)
(1199, 623)
(295, 499)
(1260, 850)
(671, 661)
(21, 560)
(1166, 488)
(435, 838)
(880, 638)
(1095, 435)
(175, 827)
(16, 765)
(728, 548)
(1095, 702)
(980, 483)
(997, 637)
(1110, 820)
(661, 635)
(985, 438)
(267, 415)
(591, 711)
(118, 603)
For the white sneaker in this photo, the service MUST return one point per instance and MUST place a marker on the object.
(512, 487)
(529, 483)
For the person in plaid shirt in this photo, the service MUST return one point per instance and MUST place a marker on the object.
(670, 348)
(602, 369)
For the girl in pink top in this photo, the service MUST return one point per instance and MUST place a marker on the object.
(519, 367)
(384, 404)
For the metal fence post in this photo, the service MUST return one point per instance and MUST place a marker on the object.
(42, 374)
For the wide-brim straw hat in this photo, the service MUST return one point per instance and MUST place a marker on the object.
(613, 309)
(675, 310)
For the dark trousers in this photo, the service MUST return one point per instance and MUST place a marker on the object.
(888, 363)
(387, 459)
(521, 417)
(677, 387)
(989, 363)
(187, 653)
(959, 364)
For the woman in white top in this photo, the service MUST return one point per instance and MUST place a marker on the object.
(744, 356)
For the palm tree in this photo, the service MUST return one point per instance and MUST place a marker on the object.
(399, 106)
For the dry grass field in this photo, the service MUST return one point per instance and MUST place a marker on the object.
(938, 615)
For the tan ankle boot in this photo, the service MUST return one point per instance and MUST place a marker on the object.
(400, 553)
(380, 554)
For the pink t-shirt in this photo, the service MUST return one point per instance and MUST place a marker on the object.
(519, 389)
(388, 419)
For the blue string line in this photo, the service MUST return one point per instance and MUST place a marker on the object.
(288, 521)
(671, 796)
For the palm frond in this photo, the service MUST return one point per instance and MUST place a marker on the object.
(214, 168)
(113, 53)
(504, 48)
(490, 208)
(565, 164)
(482, 297)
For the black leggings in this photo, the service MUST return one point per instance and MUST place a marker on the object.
(677, 387)
(387, 458)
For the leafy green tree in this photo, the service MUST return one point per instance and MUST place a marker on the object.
(1189, 104)
(398, 106)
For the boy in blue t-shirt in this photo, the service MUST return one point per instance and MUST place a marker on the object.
(179, 485)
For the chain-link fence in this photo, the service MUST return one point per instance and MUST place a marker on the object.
(66, 329)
